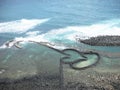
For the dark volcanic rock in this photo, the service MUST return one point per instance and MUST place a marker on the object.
(31, 83)
(102, 41)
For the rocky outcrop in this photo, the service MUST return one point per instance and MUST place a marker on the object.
(102, 41)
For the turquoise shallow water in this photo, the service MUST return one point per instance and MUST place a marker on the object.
(35, 59)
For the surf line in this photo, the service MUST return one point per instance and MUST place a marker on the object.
(65, 59)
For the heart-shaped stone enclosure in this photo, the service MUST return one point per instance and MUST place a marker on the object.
(80, 60)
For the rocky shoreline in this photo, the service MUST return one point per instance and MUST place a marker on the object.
(102, 41)
(83, 80)
(92, 80)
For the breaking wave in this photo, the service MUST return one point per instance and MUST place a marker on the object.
(69, 34)
(20, 26)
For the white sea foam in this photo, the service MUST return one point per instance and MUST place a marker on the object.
(70, 33)
(20, 26)
(33, 33)
(111, 27)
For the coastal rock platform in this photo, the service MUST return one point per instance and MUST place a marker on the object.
(102, 41)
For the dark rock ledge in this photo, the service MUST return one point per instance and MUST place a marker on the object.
(102, 41)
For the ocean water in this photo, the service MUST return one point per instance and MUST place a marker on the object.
(58, 22)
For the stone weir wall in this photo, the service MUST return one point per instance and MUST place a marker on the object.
(102, 41)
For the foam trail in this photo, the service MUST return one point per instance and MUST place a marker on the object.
(20, 26)
(33, 33)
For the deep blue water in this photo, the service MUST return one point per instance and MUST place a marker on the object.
(62, 12)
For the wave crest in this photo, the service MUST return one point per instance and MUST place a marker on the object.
(20, 26)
